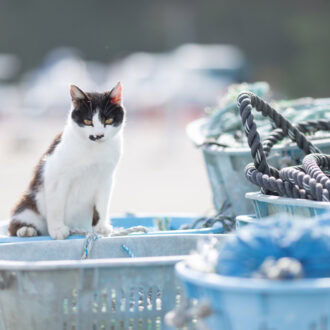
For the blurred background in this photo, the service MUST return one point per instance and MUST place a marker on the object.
(174, 58)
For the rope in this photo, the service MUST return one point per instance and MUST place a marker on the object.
(310, 126)
(131, 230)
(91, 238)
(227, 222)
(128, 251)
(88, 244)
(309, 181)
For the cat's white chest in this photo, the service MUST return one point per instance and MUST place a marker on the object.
(87, 170)
(82, 194)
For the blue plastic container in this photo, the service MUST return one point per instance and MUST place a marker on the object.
(255, 304)
(127, 221)
(46, 285)
(267, 205)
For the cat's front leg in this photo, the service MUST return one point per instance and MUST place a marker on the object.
(101, 217)
(56, 193)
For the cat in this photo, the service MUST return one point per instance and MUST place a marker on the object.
(72, 183)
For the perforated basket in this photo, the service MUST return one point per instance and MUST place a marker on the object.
(225, 167)
(255, 304)
(267, 205)
(45, 285)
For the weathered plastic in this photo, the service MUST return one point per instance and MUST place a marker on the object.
(45, 285)
(254, 304)
(267, 205)
(225, 167)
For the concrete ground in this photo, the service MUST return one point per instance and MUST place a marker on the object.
(161, 171)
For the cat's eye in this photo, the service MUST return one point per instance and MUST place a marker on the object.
(108, 121)
(88, 122)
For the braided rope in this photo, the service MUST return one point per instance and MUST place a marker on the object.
(309, 181)
(309, 126)
(128, 251)
(274, 137)
(131, 230)
(88, 244)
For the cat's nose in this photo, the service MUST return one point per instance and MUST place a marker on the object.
(96, 137)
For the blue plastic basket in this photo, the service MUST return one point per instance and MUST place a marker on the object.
(255, 304)
(46, 285)
(127, 221)
(267, 205)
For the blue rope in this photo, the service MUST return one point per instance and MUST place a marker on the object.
(88, 245)
(127, 251)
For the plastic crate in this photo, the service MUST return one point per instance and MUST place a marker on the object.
(126, 221)
(225, 167)
(254, 304)
(267, 205)
(45, 285)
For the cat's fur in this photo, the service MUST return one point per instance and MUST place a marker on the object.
(71, 187)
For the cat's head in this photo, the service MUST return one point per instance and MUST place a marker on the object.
(97, 116)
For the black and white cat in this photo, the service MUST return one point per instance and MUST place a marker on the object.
(71, 187)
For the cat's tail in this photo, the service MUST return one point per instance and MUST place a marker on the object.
(27, 223)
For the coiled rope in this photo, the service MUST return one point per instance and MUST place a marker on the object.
(308, 181)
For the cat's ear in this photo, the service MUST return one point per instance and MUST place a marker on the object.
(76, 93)
(116, 94)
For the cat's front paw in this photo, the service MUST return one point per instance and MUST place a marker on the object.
(103, 229)
(61, 232)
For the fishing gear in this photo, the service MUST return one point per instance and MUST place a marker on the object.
(307, 181)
